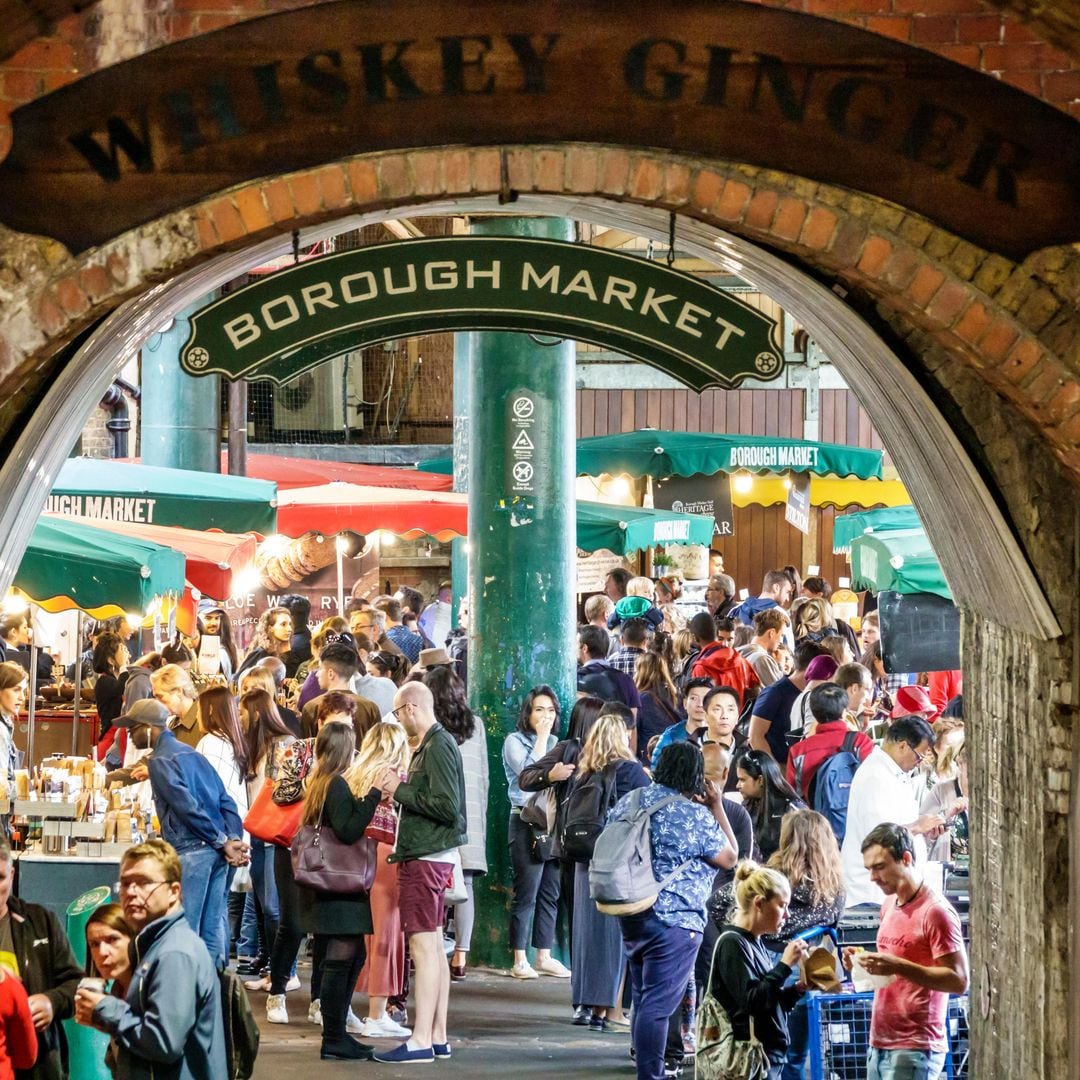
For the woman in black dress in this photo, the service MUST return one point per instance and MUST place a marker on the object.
(339, 921)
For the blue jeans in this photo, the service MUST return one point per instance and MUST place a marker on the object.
(660, 959)
(798, 1042)
(205, 883)
(904, 1065)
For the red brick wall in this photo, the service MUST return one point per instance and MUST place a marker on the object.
(969, 32)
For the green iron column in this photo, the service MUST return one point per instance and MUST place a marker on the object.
(522, 554)
(459, 559)
(179, 418)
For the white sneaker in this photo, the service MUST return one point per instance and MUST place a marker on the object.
(293, 984)
(383, 1027)
(353, 1024)
(261, 983)
(275, 1009)
(314, 1013)
(551, 966)
(523, 971)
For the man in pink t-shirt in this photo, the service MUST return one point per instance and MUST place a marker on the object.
(919, 942)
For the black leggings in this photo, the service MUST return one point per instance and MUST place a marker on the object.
(344, 957)
(287, 941)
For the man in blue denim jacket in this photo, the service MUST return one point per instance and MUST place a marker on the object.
(197, 818)
(170, 1026)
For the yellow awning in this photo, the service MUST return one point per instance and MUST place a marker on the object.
(824, 491)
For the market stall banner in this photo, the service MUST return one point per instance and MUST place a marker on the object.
(700, 494)
(648, 452)
(289, 322)
(70, 565)
(901, 561)
(622, 529)
(116, 492)
(660, 454)
(884, 519)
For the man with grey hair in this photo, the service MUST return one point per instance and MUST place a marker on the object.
(431, 829)
(369, 622)
(720, 595)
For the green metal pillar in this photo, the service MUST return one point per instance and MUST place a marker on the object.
(180, 422)
(459, 559)
(522, 556)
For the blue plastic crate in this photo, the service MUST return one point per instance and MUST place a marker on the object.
(840, 1036)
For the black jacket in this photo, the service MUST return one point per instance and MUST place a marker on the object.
(46, 966)
(534, 777)
(748, 981)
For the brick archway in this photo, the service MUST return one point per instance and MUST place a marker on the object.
(1015, 325)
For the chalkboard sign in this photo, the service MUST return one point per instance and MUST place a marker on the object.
(919, 632)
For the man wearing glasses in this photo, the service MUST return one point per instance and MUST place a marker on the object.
(365, 620)
(172, 1016)
(886, 788)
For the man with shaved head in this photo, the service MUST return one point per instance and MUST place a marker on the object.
(431, 829)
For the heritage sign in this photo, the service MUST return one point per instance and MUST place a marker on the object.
(291, 321)
(712, 79)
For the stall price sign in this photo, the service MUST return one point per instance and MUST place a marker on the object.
(797, 512)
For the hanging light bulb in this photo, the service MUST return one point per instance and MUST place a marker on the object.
(742, 483)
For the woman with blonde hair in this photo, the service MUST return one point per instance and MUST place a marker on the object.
(747, 981)
(948, 793)
(668, 591)
(385, 746)
(339, 921)
(606, 763)
(657, 711)
(812, 619)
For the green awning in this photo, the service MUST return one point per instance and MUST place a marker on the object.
(622, 529)
(885, 519)
(684, 453)
(443, 465)
(901, 561)
(69, 565)
(114, 492)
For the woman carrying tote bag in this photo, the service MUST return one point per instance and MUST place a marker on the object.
(742, 1031)
(339, 920)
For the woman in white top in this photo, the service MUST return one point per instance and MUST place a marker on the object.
(222, 743)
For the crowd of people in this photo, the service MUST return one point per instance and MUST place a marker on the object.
(778, 780)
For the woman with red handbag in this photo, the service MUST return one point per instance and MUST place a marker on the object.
(385, 746)
(339, 920)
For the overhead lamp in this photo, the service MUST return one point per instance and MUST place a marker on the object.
(14, 604)
(387, 538)
(352, 544)
(620, 487)
(742, 483)
(274, 544)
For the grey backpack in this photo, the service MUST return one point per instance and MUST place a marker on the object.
(621, 878)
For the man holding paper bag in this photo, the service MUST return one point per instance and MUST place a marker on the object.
(921, 950)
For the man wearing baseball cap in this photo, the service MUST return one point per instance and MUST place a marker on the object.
(197, 817)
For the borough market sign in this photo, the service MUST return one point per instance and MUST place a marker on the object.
(712, 79)
(291, 321)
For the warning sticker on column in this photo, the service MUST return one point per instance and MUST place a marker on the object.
(525, 441)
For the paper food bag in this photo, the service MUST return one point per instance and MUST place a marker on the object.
(818, 968)
(863, 981)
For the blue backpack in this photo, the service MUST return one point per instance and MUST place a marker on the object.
(831, 786)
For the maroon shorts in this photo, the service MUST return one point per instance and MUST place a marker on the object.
(421, 894)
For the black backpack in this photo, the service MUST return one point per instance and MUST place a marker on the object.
(586, 813)
(241, 1030)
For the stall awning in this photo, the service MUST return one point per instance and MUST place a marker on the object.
(623, 529)
(825, 491)
(900, 561)
(885, 519)
(685, 453)
(331, 508)
(293, 472)
(117, 492)
(69, 565)
(214, 560)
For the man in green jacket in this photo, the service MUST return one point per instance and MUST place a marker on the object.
(431, 829)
